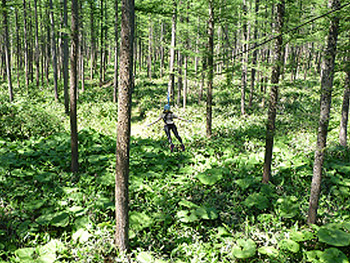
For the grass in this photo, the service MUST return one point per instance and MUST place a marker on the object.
(203, 205)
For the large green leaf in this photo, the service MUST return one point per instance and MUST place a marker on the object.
(290, 245)
(210, 177)
(244, 248)
(61, 219)
(288, 206)
(333, 255)
(25, 255)
(139, 221)
(269, 251)
(303, 235)
(257, 200)
(333, 236)
(81, 235)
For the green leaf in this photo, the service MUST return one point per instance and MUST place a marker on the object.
(244, 248)
(60, 220)
(269, 251)
(188, 204)
(257, 200)
(300, 236)
(288, 206)
(313, 255)
(290, 245)
(81, 235)
(207, 213)
(139, 221)
(46, 258)
(333, 237)
(145, 257)
(210, 177)
(245, 183)
(333, 255)
(187, 216)
(25, 254)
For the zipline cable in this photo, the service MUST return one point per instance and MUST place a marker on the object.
(291, 30)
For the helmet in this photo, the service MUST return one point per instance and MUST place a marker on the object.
(167, 107)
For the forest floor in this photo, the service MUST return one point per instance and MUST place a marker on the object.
(206, 204)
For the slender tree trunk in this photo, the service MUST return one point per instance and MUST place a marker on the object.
(325, 104)
(65, 58)
(74, 85)
(150, 50)
(244, 58)
(37, 50)
(343, 134)
(7, 50)
(101, 42)
(92, 33)
(270, 127)
(255, 54)
(82, 62)
(179, 76)
(26, 51)
(18, 48)
(210, 68)
(171, 83)
(162, 32)
(123, 130)
(116, 51)
(53, 50)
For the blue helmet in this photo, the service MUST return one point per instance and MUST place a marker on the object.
(167, 107)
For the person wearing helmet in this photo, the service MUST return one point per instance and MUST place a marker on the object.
(168, 118)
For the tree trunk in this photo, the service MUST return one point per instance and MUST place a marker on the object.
(270, 127)
(116, 50)
(7, 50)
(102, 27)
(179, 76)
(210, 68)
(65, 58)
(18, 48)
(53, 50)
(162, 33)
(92, 33)
(37, 50)
(74, 84)
(244, 58)
(171, 83)
(150, 50)
(123, 130)
(255, 54)
(26, 51)
(343, 134)
(325, 104)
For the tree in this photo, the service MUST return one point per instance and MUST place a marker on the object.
(171, 83)
(116, 50)
(65, 58)
(325, 105)
(7, 50)
(210, 68)
(74, 85)
(53, 50)
(123, 128)
(345, 107)
(271, 118)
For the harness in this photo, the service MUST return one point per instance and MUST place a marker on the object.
(165, 118)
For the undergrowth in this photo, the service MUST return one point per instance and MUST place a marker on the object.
(206, 204)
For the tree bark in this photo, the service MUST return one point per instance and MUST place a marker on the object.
(210, 68)
(37, 50)
(171, 83)
(93, 46)
(65, 58)
(244, 58)
(7, 50)
(116, 50)
(74, 85)
(325, 105)
(123, 130)
(343, 134)
(26, 51)
(255, 54)
(162, 33)
(150, 50)
(53, 50)
(278, 62)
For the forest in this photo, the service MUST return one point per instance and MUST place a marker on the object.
(153, 131)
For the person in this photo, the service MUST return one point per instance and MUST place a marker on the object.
(168, 118)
